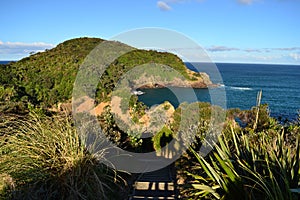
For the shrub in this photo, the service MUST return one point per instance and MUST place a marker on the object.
(46, 160)
(248, 166)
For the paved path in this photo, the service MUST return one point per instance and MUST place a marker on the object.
(159, 184)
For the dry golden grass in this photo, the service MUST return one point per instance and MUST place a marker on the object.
(43, 157)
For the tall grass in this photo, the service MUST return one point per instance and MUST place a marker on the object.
(43, 158)
(252, 165)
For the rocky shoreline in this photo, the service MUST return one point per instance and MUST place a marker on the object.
(198, 81)
(195, 85)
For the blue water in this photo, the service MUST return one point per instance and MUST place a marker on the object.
(2, 62)
(280, 85)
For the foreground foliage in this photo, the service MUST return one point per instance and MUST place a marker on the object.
(43, 158)
(249, 164)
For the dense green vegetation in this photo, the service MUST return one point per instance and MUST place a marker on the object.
(134, 58)
(246, 163)
(47, 78)
(42, 156)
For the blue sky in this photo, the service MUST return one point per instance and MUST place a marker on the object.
(260, 31)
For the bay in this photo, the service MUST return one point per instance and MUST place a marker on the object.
(280, 85)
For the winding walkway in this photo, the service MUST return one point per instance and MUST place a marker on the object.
(159, 184)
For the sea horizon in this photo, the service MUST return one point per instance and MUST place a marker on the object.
(241, 87)
(242, 81)
(5, 61)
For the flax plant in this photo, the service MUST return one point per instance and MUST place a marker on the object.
(248, 166)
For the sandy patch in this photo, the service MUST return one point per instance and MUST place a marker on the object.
(99, 109)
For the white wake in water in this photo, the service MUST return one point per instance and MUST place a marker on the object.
(235, 87)
(240, 88)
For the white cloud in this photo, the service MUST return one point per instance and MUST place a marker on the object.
(218, 53)
(245, 2)
(221, 48)
(247, 57)
(250, 50)
(295, 56)
(23, 48)
(287, 49)
(163, 6)
(181, 1)
(216, 48)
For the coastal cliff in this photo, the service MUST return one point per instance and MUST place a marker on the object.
(196, 80)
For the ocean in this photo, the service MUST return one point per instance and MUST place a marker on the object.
(280, 85)
(3, 62)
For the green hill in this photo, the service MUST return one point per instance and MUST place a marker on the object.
(47, 78)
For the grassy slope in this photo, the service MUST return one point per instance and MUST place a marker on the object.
(47, 78)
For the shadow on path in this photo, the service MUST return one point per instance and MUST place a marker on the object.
(160, 184)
